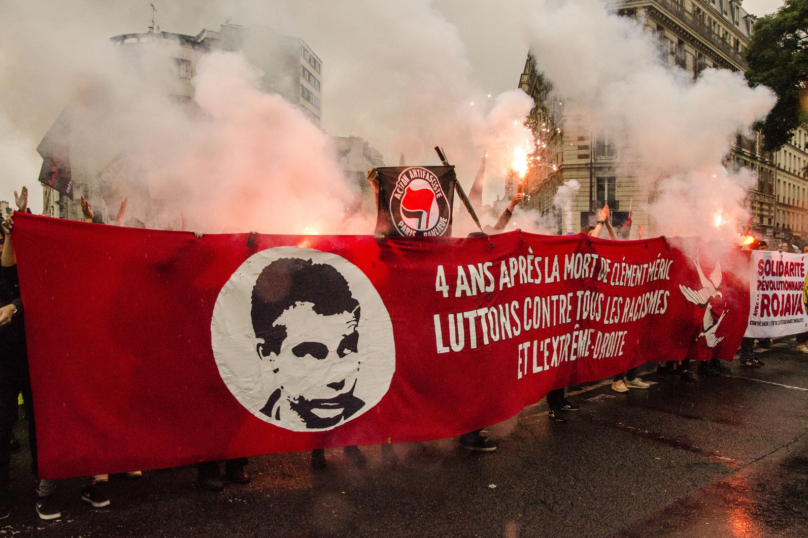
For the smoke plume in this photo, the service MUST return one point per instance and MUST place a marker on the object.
(671, 132)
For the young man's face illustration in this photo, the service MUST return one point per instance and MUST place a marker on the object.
(318, 364)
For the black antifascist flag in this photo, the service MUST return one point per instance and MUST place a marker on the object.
(55, 152)
(414, 200)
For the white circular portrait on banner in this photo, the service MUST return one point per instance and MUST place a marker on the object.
(302, 339)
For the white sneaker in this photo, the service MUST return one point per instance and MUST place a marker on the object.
(619, 386)
(636, 383)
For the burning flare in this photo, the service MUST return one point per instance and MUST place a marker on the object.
(520, 162)
(719, 219)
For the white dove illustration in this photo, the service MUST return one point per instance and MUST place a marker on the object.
(709, 289)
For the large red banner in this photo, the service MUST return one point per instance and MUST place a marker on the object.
(152, 349)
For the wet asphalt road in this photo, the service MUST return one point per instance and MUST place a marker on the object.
(727, 456)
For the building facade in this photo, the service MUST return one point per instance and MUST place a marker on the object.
(692, 35)
(289, 68)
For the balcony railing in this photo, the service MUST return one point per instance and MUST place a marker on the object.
(698, 26)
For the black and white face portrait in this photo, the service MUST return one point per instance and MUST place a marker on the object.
(302, 339)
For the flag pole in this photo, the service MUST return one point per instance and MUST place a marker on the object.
(459, 189)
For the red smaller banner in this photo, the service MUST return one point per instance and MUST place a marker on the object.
(153, 349)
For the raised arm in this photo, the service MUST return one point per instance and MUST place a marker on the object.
(506, 215)
(8, 258)
(87, 209)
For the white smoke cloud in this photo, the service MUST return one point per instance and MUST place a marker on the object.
(563, 199)
(395, 74)
(672, 131)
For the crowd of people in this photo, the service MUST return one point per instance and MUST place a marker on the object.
(15, 380)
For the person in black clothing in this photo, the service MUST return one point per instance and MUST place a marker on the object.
(14, 376)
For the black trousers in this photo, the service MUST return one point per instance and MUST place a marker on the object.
(14, 379)
(211, 468)
(747, 345)
(555, 399)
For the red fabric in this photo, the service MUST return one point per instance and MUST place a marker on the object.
(118, 327)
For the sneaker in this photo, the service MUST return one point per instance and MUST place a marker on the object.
(636, 383)
(619, 386)
(477, 443)
(758, 362)
(92, 495)
(318, 462)
(750, 363)
(802, 348)
(47, 509)
(555, 418)
(569, 406)
(355, 455)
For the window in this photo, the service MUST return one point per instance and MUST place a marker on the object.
(310, 78)
(606, 194)
(309, 57)
(183, 68)
(310, 97)
(605, 148)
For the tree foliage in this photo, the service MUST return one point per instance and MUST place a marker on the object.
(777, 57)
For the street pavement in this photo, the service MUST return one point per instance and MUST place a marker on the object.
(726, 456)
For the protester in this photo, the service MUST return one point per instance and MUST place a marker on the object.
(747, 344)
(14, 377)
(476, 440)
(46, 505)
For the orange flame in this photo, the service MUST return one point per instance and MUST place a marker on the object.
(520, 162)
(719, 219)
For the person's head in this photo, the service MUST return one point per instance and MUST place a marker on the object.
(2, 239)
(587, 230)
(305, 321)
(762, 245)
(783, 247)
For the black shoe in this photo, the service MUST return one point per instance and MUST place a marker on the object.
(92, 495)
(758, 362)
(209, 476)
(687, 377)
(14, 445)
(555, 417)
(318, 462)
(477, 443)
(706, 370)
(569, 406)
(47, 508)
(355, 455)
(236, 474)
(664, 370)
(720, 366)
(750, 363)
